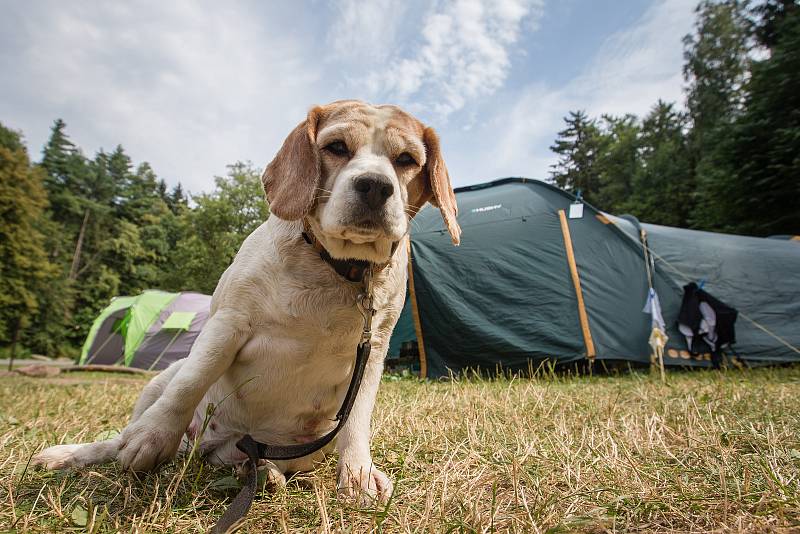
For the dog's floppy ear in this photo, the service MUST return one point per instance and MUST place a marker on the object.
(439, 180)
(292, 177)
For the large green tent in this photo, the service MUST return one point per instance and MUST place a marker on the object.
(508, 298)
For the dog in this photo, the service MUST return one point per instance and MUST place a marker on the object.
(276, 355)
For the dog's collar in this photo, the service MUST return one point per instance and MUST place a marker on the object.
(350, 270)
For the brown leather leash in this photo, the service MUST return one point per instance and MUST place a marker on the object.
(255, 450)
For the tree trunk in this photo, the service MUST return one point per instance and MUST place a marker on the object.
(76, 258)
(14, 340)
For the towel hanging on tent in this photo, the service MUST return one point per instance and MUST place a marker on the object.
(658, 334)
(653, 307)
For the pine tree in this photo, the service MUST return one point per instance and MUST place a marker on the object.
(66, 174)
(577, 146)
(149, 212)
(663, 186)
(65, 183)
(177, 199)
(163, 192)
(57, 154)
(617, 162)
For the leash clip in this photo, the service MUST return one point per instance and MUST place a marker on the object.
(365, 306)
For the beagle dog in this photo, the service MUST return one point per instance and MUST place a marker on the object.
(276, 355)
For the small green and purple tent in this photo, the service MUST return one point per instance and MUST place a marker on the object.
(148, 331)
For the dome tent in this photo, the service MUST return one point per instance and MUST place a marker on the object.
(506, 298)
(148, 331)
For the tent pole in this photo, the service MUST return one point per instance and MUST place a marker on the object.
(650, 267)
(423, 360)
(101, 347)
(576, 281)
(171, 341)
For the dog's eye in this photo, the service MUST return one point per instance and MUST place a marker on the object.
(338, 148)
(405, 159)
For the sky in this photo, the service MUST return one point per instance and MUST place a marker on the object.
(192, 86)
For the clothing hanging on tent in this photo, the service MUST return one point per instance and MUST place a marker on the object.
(706, 319)
(652, 306)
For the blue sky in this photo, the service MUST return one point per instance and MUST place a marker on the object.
(191, 86)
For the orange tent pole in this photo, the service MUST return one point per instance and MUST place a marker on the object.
(423, 360)
(576, 281)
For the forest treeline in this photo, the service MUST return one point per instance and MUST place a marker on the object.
(78, 230)
(728, 160)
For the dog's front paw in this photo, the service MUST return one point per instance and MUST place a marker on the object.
(146, 446)
(57, 457)
(363, 482)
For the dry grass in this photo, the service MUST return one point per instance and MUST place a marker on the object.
(709, 451)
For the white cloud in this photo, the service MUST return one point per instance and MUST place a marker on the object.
(463, 52)
(187, 86)
(365, 31)
(628, 74)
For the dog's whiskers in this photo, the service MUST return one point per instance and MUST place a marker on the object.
(414, 223)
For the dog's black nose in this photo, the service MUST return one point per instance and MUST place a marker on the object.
(374, 189)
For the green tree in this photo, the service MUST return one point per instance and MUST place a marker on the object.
(99, 248)
(121, 212)
(577, 146)
(157, 226)
(24, 267)
(65, 182)
(57, 154)
(213, 231)
(663, 185)
(717, 66)
(763, 147)
(139, 188)
(177, 200)
(770, 17)
(617, 162)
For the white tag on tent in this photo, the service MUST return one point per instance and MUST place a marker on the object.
(576, 210)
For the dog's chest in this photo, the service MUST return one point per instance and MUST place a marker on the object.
(289, 378)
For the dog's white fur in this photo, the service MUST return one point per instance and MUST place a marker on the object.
(276, 355)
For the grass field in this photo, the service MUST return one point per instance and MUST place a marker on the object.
(707, 451)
